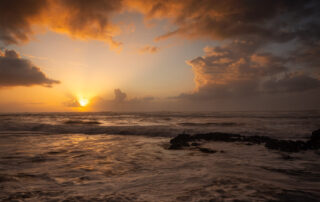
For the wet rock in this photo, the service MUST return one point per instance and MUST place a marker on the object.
(206, 150)
(314, 141)
(5, 178)
(224, 137)
(180, 141)
(316, 136)
(184, 140)
(81, 122)
(39, 158)
(287, 157)
(295, 196)
(286, 145)
(256, 139)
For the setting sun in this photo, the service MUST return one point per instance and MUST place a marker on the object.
(83, 102)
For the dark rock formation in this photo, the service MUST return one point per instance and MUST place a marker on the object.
(286, 145)
(81, 122)
(180, 141)
(314, 141)
(206, 150)
(184, 140)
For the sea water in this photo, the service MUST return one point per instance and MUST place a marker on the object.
(108, 156)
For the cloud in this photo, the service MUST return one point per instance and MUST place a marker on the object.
(121, 102)
(79, 19)
(276, 20)
(237, 61)
(293, 82)
(16, 17)
(307, 55)
(238, 69)
(149, 49)
(243, 64)
(16, 71)
(72, 101)
(119, 96)
(266, 20)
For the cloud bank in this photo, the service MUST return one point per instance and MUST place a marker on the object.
(237, 69)
(245, 64)
(276, 20)
(16, 71)
(269, 20)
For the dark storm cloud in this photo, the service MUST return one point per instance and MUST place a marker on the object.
(276, 20)
(241, 69)
(268, 20)
(232, 89)
(242, 65)
(291, 83)
(15, 19)
(307, 55)
(16, 71)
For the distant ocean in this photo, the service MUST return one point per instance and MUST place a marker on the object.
(110, 156)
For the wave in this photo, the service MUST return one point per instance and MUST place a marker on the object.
(168, 115)
(34, 128)
(209, 124)
(164, 124)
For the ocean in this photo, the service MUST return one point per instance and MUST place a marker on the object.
(109, 156)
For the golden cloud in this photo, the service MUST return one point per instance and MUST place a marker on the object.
(85, 20)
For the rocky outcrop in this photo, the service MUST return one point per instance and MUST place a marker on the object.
(314, 141)
(185, 140)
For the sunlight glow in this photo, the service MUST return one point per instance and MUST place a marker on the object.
(83, 102)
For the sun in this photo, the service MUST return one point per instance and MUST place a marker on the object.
(83, 102)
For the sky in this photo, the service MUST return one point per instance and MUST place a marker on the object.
(155, 55)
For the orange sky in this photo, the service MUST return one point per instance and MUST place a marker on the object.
(158, 55)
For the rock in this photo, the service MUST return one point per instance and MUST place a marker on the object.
(180, 141)
(195, 144)
(183, 140)
(287, 157)
(315, 135)
(256, 139)
(81, 122)
(225, 137)
(206, 150)
(286, 145)
(314, 141)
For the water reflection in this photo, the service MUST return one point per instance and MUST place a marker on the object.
(92, 167)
